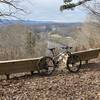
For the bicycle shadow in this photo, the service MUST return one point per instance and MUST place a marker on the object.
(93, 66)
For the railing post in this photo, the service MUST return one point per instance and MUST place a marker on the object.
(32, 72)
(87, 61)
(7, 75)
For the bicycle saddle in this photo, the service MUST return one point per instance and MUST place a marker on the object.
(51, 49)
(66, 47)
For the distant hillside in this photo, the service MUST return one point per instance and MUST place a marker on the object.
(30, 22)
(25, 39)
(44, 26)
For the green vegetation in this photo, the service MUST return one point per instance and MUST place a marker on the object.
(69, 5)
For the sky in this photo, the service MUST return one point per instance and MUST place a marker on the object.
(49, 10)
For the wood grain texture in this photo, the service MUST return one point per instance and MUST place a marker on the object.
(17, 66)
(87, 54)
(31, 64)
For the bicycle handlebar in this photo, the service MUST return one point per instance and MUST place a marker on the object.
(66, 47)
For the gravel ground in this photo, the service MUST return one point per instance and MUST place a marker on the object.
(63, 85)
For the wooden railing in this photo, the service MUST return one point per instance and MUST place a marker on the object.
(18, 66)
(86, 55)
(31, 64)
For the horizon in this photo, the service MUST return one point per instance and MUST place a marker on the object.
(29, 20)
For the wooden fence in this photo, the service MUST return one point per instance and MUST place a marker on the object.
(31, 64)
(86, 55)
(18, 66)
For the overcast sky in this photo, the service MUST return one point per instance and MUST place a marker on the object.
(49, 10)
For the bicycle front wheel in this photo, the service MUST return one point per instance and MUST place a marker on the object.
(74, 63)
(46, 66)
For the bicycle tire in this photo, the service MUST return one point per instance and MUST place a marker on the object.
(71, 63)
(44, 65)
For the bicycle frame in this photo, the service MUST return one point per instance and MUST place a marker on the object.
(59, 57)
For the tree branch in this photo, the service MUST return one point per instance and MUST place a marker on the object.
(92, 10)
(69, 5)
(11, 4)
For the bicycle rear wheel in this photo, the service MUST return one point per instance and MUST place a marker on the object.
(74, 63)
(46, 66)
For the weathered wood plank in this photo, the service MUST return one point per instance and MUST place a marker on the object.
(31, 64)
(16, 66)
(88, 54)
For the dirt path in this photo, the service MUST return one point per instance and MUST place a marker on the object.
(84, 85)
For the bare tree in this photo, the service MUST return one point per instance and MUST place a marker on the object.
(9, 8)
(91, 6)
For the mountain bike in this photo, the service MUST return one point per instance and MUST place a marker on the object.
(47, 64)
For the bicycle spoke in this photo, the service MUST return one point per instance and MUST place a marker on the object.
(74, 64)
(47, 66)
